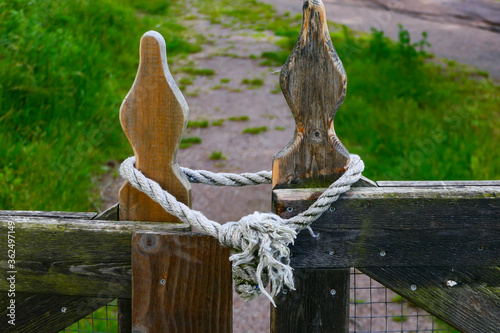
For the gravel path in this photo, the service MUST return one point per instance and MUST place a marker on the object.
(467, 31)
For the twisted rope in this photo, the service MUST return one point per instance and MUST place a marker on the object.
(259, 241)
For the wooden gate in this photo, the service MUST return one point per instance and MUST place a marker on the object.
(435, 243)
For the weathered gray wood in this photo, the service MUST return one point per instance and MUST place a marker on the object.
(471, 306)
(56, 215)
(74, 257)
(444, 226)
(314, 84)
(181, 283)
(124, 305)
(124, 315)
(365, 182)
(438, 183)
(43, 312)
(110, 214)
(319, 303)
(46, 313)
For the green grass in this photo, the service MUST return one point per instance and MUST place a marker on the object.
(254, 130)
(218, 122)
(198, 124)
(198, 71)
(253, 83)
(239, 118)
(65, 67)
(279, 128)
(217, 155)
(225, 80)
(399, 319)
(189, 142)
(96, 322)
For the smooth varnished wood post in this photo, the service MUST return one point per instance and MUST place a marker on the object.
(180, 282)
(154, 115)
(314, 83)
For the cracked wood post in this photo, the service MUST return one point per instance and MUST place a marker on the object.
(180, 282)
(313, 82)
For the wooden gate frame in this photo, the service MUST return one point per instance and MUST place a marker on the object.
(435, 243)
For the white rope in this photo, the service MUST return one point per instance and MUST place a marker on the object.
(227, 179)
(259, 241)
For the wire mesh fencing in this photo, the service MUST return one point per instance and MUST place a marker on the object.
(104, 320)
(374, 308)
(377, 309)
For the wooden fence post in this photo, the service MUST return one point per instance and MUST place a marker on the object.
(313, 82)
(180, 282)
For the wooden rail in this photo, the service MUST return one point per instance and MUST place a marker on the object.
(414, 226)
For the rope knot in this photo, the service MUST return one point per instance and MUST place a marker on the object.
(260, 253)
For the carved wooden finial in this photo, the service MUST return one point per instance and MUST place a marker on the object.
(154, 116)
(314, 84)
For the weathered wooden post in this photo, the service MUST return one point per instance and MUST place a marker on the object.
(180, 282)
(314, 83)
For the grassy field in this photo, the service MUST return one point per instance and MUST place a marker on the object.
(64, 70)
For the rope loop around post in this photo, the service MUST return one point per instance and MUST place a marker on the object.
(260, 241)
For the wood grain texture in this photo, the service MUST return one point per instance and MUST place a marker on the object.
(319, 304)
(43, 313)
(124, 315)
(74, 257)
(110, 214)
(154, 116)
(57, 215)
(448, 226)
(438, 183)
(471, 306)
(196, 294)
(314, 84)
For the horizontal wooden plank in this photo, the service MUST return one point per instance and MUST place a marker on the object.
(468, 298)
(72, 256)
(396, 226)
(56, 215)
(45, 313)
(438, 183)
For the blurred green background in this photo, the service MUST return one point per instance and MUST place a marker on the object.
(65, 67)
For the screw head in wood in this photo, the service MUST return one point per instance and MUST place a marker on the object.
(333, 292)
(63, 309)
(331, 253)
(382, 253)
(150, 242)
(480, 248)
(451, 283)
(289, 209)
(332, 209)
(413, 287)
(162, 282)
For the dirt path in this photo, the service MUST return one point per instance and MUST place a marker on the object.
(224, 95)
(467, 31)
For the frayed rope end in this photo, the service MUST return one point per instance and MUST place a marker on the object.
(260, 254)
